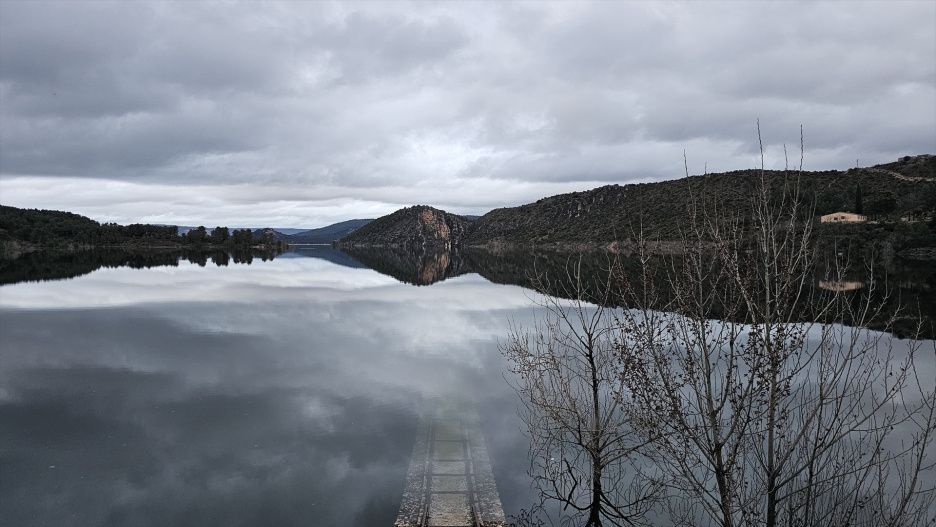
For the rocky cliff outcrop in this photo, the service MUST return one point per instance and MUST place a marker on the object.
(418, 228)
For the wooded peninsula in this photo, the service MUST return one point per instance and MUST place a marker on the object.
(27, 230)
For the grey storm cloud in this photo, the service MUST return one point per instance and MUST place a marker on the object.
(318, 112)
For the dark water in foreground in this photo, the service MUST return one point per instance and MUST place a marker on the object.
(285, 392)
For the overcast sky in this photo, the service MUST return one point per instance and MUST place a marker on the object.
(302, 114)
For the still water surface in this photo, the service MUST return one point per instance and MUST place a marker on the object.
(280, 393)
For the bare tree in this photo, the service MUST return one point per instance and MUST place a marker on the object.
(582, 444)
(729, 392)
(770, 414)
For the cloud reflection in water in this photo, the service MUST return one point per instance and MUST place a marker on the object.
(283, 393)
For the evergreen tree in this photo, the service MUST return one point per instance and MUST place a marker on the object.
(198, 236)
(220, 235)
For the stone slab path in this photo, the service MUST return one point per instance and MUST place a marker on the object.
(450, 482)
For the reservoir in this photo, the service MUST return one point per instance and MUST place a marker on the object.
(285, 392)
(313, 388)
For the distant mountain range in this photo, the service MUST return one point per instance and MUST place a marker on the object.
(323, 235)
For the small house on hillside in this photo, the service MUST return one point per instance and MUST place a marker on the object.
(839, 285)
(844, 217)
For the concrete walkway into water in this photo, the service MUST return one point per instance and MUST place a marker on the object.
(450, 483)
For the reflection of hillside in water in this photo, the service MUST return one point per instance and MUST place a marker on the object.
(907, 298)
(417, 268)
(324, 252)
(59, 265)
(545, 270)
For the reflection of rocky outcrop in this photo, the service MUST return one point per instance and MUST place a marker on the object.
(411, 267)
(412, 228)
(545, 270)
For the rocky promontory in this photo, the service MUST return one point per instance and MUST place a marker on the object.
(415, 228)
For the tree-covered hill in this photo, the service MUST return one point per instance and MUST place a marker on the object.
(25, 230)
(660, 210)
(52, 228)
(615, 213)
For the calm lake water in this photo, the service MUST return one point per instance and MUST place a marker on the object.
(285, 392)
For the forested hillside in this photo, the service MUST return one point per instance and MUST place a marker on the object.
(903, 190)
(660, 210)
(24, 230)
(52, 227)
